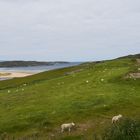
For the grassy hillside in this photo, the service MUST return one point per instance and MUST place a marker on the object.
(88, 94)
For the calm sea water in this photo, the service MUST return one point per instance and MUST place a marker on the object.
(36, 69)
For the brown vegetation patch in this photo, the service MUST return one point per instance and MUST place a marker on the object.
(73, 72)
(83, 127)
(133, 75)
(138, 61)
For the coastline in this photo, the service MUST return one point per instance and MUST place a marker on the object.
(15, 74)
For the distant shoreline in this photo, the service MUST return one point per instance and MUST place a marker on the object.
(4, 64)
(17, 72)
(9, 75)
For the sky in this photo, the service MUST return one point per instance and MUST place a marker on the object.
(69, 30)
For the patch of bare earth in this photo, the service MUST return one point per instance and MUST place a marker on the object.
(134, 75)
(73, 72)
(138, 61)
(80, 128)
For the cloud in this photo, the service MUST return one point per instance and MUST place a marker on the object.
(69, 29)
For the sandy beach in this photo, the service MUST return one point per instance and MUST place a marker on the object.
(14, 74)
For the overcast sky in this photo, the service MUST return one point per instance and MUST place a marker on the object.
(68, 30)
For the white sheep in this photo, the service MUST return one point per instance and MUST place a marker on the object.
(9, 91)
(67, 126)
(116, 118)
(17, 90)
(102, 80)
(25, 84)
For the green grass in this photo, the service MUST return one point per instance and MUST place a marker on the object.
(59, 96)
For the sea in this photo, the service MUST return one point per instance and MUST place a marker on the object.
(37, 69)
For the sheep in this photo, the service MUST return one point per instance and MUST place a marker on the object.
(17, 90)
(9, 91)
(25, 84)
(67, 126)
(116, 118)
(102, 80)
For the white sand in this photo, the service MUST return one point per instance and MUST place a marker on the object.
(14, 74)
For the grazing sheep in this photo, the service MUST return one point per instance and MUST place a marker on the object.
(9, 91)
(67, 126)
(102, 80)
(116, 118)
(24, 84)
(17, 90)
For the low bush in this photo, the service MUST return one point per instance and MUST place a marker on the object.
(126, 129)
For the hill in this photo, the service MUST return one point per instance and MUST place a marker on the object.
(26, 63)
(88, 94)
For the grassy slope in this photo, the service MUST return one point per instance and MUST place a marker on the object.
(58, 96)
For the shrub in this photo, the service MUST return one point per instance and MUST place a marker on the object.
(125, 130)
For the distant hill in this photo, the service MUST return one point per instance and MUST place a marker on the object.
(131, 56)
(27, 63)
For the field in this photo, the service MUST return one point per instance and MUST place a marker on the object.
(88, 94)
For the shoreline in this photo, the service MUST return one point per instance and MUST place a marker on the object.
(15, 74)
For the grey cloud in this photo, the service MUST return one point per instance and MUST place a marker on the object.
(69, 29)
